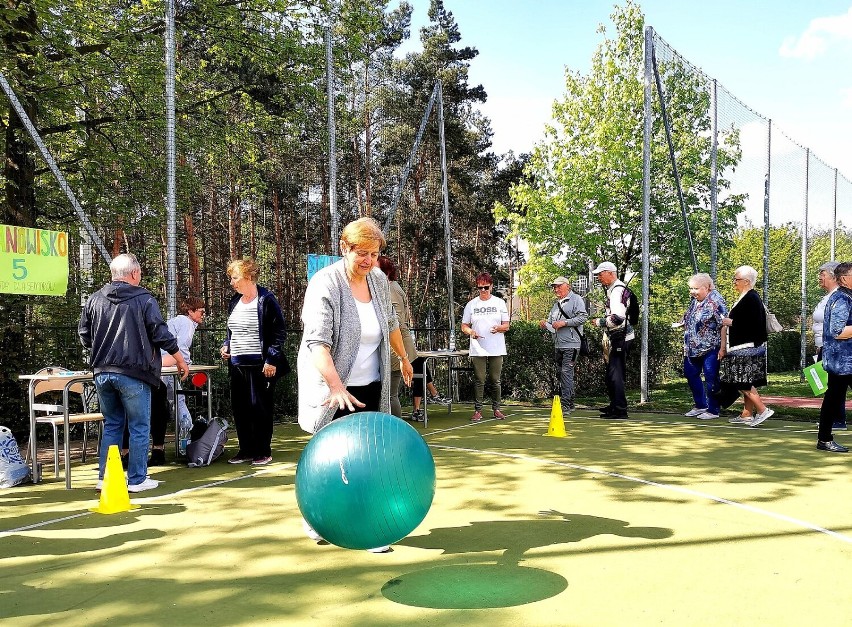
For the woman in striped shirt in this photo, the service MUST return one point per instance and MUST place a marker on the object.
(254, 349)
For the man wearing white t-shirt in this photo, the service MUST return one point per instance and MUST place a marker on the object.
(485, 320)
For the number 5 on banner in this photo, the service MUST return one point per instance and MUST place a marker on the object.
(19, 270)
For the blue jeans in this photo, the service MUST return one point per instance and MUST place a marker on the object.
(125, 400)
(704, 393)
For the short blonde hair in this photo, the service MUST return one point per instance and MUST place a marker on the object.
(702, 278)
(244, 268)
(362, 231)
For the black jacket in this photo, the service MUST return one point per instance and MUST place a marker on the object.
(272, 328)
(123, 327)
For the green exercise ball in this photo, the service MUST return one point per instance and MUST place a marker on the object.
(366, 480)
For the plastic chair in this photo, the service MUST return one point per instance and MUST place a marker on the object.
(53, 412)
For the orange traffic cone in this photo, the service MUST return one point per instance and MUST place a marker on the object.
(557, 424)
(114, 496)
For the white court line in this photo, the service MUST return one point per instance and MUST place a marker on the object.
(664, 486)
(143, 500)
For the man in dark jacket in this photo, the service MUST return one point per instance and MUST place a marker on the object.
(122, 326)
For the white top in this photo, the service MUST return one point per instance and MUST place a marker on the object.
(245, 333)
(183, 328)
(819, 318)
(366, 368)
(481, 316)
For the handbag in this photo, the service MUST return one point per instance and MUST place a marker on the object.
(584, 344)
(772, 324)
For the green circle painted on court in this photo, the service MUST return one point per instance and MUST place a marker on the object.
(474, 586)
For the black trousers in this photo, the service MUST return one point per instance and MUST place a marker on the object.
(616, 373)
(370, 395)
(252, 401)
(833, 404)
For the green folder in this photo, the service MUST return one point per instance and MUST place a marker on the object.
(817, 378)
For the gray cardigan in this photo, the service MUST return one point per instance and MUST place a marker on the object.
(330, 317)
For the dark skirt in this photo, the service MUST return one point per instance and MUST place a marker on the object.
(744, 368)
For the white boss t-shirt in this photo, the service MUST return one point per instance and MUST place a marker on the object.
(481, 316)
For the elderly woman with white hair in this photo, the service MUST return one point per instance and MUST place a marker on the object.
(743, 351)
(702, 339)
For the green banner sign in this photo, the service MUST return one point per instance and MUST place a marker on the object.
(33, 261)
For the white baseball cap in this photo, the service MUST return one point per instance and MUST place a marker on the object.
(605, 266)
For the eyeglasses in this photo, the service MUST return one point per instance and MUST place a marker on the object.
(483, 287)
(736, 278)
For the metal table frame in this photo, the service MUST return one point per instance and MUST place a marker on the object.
(450, 356)
(87, 376)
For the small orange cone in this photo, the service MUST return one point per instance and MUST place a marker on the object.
(557, 424)
(114, 495)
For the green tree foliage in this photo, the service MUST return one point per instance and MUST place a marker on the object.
(582, 197)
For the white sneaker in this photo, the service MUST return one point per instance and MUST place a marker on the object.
(99, 485)
(311, 532)
(379, 549)
(148, 484)
(739, 420)
(695, 412)
(766, 413)
(707, 416)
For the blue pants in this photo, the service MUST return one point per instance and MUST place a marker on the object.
(704, 393)
(125, 401)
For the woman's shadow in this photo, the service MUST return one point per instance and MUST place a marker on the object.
(516, 537)
(506, 583)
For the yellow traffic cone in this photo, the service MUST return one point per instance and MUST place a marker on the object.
(114, 496)
(557, 424)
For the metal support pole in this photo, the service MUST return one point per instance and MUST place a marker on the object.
(332, 141)
(804, 307)
(448, 249)
(397, 194)
(51, 163)
(714, 181)
(171, 197)
(766, 196)
(834, 218)
(667, 125)
(646, 206)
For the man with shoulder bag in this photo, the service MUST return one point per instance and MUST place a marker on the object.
(565, 322)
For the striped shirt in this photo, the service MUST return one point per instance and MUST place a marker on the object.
(245, 332)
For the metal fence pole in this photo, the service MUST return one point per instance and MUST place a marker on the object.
(51, 163)
(714, 181)
(804, 307)
(766, 194)
(646, 207)
(834, 218)
(332, 141)
(448, 248)
(171, 200)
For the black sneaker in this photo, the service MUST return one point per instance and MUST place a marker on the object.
(831, 447)
(158, 457)
(417, 415)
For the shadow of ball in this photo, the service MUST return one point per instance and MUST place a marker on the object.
(365, 480)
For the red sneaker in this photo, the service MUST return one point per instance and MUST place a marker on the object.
(499, 415)
(477, 416)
